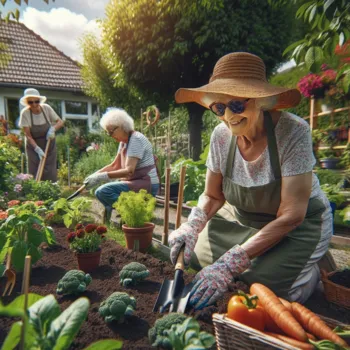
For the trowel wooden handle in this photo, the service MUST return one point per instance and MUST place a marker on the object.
(180, 264)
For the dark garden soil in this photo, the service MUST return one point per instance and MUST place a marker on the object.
(342, 278)
(58, 260)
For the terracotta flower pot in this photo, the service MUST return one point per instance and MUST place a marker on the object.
(88, 262)
(142, 234)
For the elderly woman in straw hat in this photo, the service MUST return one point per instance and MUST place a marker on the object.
(40, 122)
(262, 217)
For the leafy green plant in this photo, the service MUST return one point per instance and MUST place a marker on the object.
(133, 273)
(187, 335)
(10, 157)
(117, 306)
(329, 177)
(332, 193)
(23, 234)
(43, 190)
(135, 209)
(46, 328)
(73, 282)
(345, 158)
(73, 212)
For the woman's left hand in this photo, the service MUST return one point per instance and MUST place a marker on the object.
(51, 133)
(212, 281)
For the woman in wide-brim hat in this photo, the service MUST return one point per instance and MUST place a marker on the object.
(262, 217)
(39, 122)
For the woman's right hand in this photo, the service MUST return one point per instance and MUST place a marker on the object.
(187, 234)
(40, 152)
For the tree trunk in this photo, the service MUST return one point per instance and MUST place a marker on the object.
(195, 125)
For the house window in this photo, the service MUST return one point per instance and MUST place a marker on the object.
(56, 106)
(13, 112)
(74, 107)
(95, 110)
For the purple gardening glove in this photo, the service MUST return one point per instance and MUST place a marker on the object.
(213, 281)
(187, 234)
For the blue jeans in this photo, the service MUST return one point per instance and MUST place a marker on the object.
(109, 193)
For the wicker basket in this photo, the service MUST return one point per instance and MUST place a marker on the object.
(335, 293)
(232, 335)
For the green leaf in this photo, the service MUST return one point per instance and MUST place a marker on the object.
(292, 46)
(64, 328)
(42, 313)
(35, 253)
(105, 344)
(312, 13)
(17, 14)
(13, 337)
(15, 308)
(327, 4)
(19, 252)
(35, 237)
(2, 269)
(50, 235)
(326, 345)
(18, 2)
(67, 220)
(314, 57)
(3, 2)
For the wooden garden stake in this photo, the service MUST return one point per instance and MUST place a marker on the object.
(25, 290)
(166, 207)
(312, 112)
(180, 196)
(169, 142)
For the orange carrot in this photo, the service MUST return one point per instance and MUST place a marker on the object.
(270, 324)
(315, 325)
(287, 304)
(298, 344)
(278, 312)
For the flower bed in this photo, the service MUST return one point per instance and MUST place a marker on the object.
(58, 260)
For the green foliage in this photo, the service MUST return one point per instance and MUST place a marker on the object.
(10, 158)
(345, 215)
(73, 282)
(187, 335)
(329, 23)
(332, 193)
(195, 175)
(329, 177)
(133, 273)
(157, 334)
(135, 209)
(73, 212)
(46, 327)
(23, 234)
(43, 190)
(345, 159)
(117, 306)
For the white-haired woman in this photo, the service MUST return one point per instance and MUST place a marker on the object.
(134, 166)
(263, 216)
(40, 123)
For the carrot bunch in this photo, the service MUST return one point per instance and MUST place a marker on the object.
(293, 323)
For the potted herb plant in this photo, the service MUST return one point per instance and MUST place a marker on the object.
(136, 210)
(86, 243)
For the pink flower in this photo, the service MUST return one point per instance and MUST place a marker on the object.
(17, 188)
(309, 84)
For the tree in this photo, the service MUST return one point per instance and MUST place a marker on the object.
(157, 47)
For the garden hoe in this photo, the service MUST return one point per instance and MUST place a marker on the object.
(174, 294)
(77, 192)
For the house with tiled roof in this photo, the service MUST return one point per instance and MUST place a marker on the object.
(34, 62)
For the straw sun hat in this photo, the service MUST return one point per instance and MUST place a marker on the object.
(239, 74)
(31, 93)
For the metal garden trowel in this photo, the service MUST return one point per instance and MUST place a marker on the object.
(174, 294)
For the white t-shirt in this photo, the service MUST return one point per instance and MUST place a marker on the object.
(38, 119)
(140, 147)
(294, 144)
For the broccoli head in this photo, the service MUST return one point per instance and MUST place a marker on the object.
(133, 273)
(73, 282)
(116, 306)
(158, 334)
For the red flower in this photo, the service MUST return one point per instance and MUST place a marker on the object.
(79, 226)
(103, 236)
(90, 228)
(71, 237)
(39, 203)
(13, 203)
(80, 233)
(101, 229)
(3, 215)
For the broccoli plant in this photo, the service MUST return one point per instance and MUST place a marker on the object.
(157, 335)
(187, 335)
(116, 306)
(73, 282)
(133, 273)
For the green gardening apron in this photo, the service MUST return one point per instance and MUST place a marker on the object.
(247, 210)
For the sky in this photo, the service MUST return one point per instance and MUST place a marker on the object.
(62, 22)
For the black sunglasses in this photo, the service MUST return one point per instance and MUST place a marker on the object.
(234, 106)
(110, 133)
(31, 102)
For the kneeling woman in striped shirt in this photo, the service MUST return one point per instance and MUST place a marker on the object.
(134, 166)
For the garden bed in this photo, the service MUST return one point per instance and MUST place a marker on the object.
(134, 333)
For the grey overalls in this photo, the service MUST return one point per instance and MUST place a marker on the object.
(38, 133)
(247, 210)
